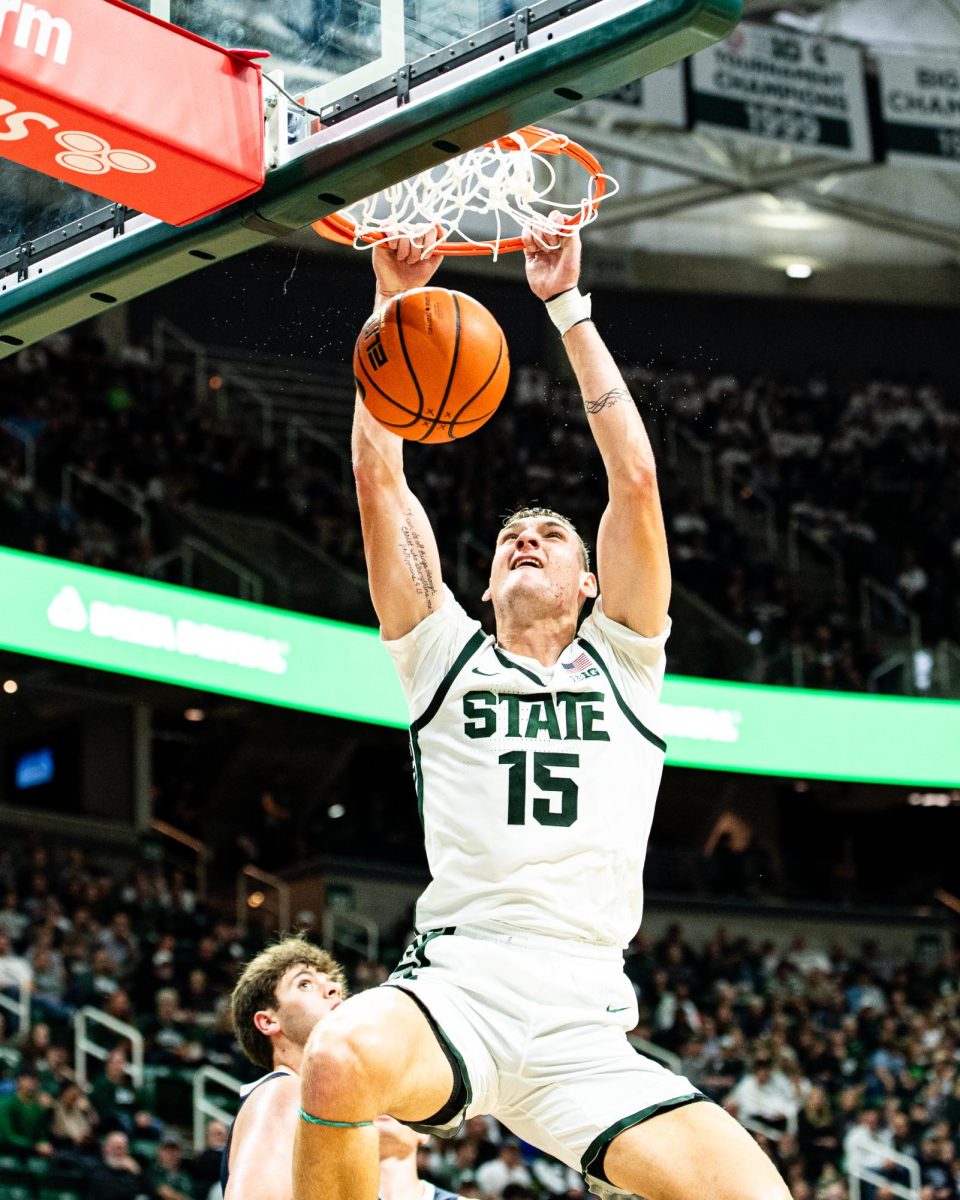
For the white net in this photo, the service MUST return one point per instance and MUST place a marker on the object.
(511, 181)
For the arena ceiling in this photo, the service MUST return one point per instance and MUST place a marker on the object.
(699, 194)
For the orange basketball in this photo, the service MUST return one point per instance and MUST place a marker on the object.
(431, 365)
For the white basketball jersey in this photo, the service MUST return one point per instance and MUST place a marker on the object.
(536, 785)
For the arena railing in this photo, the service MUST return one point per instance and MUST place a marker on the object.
(206, 1109)
(362, 934)
(750, 509)
(688, 454)
(70, 475)
(946, 669)
(883, 611)
(28, 445)
(810, 561)
(200, 851)
(251, 897)
(858, 1173)
(923, 672)
(193, 554)
(19, 1006)
(257, 390)
(296, 574)
(194, 549)
(773, 1132)
(667, 1058)
(172, 347)
(299, 430)
(85, 1047)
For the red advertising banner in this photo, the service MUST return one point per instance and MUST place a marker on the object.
(115, 101)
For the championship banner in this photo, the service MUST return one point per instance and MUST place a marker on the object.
(75, 614)
(920, 102)
(658, 99)
(111, 99)
(777, 86)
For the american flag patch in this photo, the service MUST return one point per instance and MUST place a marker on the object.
(580, 663)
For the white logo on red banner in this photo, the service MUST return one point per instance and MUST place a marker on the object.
(91, 155)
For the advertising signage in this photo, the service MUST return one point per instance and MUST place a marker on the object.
(73, 614)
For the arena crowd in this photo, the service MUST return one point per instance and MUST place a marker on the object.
(867, 469)
(832, 1056)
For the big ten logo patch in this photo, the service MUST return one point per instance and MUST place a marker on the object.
(374, 349)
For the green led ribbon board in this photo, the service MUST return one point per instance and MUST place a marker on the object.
(113, 622)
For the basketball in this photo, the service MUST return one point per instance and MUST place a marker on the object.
(431, 365)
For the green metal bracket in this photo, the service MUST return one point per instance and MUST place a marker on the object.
(522, 88)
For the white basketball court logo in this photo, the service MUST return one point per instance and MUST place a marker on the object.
(89, 154)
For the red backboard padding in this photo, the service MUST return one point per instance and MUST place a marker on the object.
(115, 101)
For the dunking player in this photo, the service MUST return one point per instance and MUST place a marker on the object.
(537, 766)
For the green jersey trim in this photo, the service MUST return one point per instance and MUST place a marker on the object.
(472, 646)
(512, 666)
(589, 1164)
(624, 707)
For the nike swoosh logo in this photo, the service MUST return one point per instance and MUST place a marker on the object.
(489, 674)
(613, 1009)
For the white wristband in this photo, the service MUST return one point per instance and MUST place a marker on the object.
(569, 309)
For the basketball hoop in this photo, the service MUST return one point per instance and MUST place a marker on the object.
(498, 179)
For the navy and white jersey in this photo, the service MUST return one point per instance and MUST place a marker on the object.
(244, 1093)
(536, 785)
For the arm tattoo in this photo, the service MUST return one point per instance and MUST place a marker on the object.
(607, 400)
(415, 559)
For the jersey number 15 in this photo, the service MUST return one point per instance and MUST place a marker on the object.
(545, 808)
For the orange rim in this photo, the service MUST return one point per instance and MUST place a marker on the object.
(343, 229)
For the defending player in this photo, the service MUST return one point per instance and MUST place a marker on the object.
(537, 765)
(278, 999)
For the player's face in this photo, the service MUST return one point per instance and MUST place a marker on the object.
(304, 997)
(539, 558)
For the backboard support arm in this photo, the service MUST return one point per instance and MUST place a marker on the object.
(499, 87)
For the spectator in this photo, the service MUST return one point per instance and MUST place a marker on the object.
(117, 1102)
(865, 1142)
(73, 1121)
(817, 1132)
(508, 1167)
(463, 1167)
(16, 977)
(13, 921)
(172, 1041)
(119, 943)
(94, 983)
(166, 1177)
(117, 1175)
(25, 1119)
(205, 1166)
(764, 1095)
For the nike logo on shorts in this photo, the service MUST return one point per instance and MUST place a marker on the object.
(612, 1008)
(477, 671)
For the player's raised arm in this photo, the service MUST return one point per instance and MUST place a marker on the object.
(633, 566)
(403, 564)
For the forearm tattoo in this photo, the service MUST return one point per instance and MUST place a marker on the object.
(415, 559)
(607, 400)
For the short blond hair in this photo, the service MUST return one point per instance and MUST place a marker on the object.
(256, 989)
(534, 512)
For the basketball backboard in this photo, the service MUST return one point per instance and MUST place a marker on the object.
(398, 85)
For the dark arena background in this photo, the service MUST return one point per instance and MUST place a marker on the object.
(202, 744)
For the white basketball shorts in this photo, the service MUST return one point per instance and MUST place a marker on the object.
(537, 1027)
